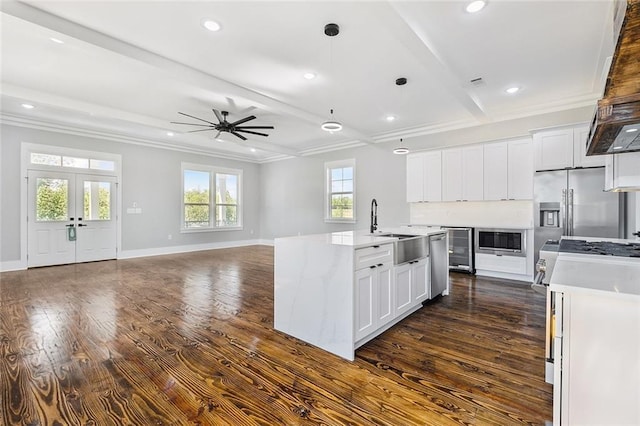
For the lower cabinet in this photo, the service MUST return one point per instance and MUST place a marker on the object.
(384, 292)
(501, 263)
(374, 299)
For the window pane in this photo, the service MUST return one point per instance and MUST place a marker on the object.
(347, 173)
(196, 215)
(336, 186)
(46, 159)
(347, 186)
(97, 201)
(226, 189)
(52, 199)
(80, 163)
(101, 164)
(196, 187)
(336, 174)
(226, 216)
(342, 206)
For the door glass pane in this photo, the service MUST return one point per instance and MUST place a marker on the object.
(52, 199)
(82, 163)
(96, 200)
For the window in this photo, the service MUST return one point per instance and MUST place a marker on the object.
(340, 191)
(43, 159)
(211, 198)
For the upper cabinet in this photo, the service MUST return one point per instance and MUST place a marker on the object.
(462, 170)
(622, 172)
(563, 148)
(424, 177)
(508, 170)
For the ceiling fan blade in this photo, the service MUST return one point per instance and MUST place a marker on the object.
(238, 135)
(255, 127)
(197, 118)
(190, 124)
(243, 120)
(253, 133)
(218, 116)
(218, 135)
(201, 130)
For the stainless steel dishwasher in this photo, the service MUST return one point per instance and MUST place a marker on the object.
(439, 258)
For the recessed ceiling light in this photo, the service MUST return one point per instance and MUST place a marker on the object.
(390, 117)
(617, 147)
(253, 150)
(309, 75)
(28, 106)
(169, 133)
(512, 90)
(211, 25)
(56, 40)
(631, 130)
(476, 6)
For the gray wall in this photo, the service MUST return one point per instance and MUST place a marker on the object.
(151, 177)
(293, 192)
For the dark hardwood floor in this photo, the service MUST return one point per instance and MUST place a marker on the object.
(188, 339)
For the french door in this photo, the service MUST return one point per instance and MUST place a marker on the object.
(72, 218)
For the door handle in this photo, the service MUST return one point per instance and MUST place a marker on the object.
(71, 225)
(82, 224)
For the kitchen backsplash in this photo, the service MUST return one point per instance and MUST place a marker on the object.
(487, 214)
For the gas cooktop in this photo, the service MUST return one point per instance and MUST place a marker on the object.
(603, 248)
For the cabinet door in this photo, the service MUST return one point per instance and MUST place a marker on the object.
(580, 159)
(553, 149)
(365, 298)
(495, 171)
(520, 170)
(472, 173)
(433, 176)
(452, 174)
(403, 295)
(622, 171)
(385, 312)
(415, 178)
(421, 281)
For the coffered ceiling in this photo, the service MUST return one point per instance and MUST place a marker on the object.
(125, 69)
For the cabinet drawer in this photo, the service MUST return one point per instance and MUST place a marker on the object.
(374, 255)
(508, 264)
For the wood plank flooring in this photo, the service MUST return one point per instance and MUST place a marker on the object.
(188, 339)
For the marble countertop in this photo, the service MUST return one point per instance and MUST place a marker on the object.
(607, 276)
(363, 238)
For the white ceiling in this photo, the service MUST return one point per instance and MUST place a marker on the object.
(127, 67)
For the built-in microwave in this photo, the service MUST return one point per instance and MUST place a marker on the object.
(509, 242)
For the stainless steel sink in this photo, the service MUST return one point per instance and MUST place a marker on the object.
(408, 248)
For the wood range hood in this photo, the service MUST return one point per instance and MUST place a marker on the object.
(618, 112)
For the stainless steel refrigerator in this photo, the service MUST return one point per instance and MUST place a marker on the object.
(573, 202)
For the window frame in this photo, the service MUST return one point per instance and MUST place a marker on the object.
(328, 167)
(212, 171)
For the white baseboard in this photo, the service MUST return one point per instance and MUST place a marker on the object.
(525, 279)
(12, 265)
(158, 251)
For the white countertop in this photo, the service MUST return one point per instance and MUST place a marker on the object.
(603, 275)
(363, 238)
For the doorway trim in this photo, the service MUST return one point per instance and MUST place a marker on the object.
(27, 148)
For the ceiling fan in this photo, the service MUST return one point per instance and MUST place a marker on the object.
(224, 126)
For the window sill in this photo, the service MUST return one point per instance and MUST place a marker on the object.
(340, 221)
(199, 230)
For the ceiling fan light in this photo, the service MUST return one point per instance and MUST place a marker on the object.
(331, 126)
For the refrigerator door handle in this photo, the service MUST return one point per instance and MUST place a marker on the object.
(570, 213)
(563, 212)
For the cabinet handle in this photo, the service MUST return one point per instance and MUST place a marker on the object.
(379, 264)
(372, 267)
(375, 246)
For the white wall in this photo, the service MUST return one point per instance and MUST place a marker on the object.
(151, 178)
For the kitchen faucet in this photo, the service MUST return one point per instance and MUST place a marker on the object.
(374, 216)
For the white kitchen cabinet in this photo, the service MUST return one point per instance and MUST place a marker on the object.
(424, 177)
(411, 285)
(563, 148)
(472, 173)
(520, 169)
(374, 299)
(421, 289)
(501, 263)
(495, 159)
(452, 174)
(622, 171)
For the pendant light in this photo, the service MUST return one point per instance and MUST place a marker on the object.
(331, 125)
(401, 149)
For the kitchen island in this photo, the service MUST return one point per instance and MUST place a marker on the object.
(339, 290)
(597, 338)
